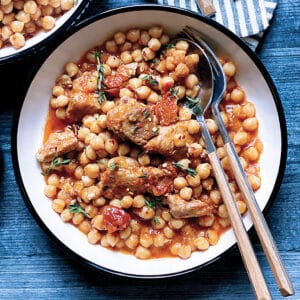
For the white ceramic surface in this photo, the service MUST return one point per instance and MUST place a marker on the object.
(10, 52)
(30, 132)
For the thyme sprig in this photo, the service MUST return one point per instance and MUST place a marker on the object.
(76, 208)
(190, 171)
(149, 78)
(194, 105)
(153, 202)
(174, 92)
(55, 163)
(113, 166)
(101, 77)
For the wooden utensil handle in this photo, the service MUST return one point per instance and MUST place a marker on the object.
(207, 8)
(261, 227)
(246, 250)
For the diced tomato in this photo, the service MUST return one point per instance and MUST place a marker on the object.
(166, 109)
(113, 81)
(115, 218)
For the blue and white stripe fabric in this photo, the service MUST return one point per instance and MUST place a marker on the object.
(248, 19)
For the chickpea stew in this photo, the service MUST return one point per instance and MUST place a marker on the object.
(21, 20)
(124, 161)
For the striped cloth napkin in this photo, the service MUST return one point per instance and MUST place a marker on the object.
(248, 19)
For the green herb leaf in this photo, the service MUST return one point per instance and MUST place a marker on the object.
(169, 46)
(191, 101)
(101, 77)
(147, 114)
(153, 203)
(113, 166)
(146, 175)
(152, 81)
(156, 220)
(190, 171)
(76, 208)
(55, 163)
(174, 92)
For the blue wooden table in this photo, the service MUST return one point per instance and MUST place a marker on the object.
(32, 267)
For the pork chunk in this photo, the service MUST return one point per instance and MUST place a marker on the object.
(180, 208)
(136, 180)
(164, 142)
(57, 144)
(134, 121)
(81, 104)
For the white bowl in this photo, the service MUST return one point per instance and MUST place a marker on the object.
(42, 38)
(251, 75)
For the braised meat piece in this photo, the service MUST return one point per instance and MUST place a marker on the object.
(81, 104)
(180, 208)
(137, 180)
(164, 142)
(134, 121)
(57, 144)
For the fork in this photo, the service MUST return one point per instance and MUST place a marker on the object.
(262, 229)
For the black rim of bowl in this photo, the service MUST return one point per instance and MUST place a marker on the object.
(42, 45)
(210, 22)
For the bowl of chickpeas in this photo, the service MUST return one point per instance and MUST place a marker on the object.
(26, 26)
(119, 172)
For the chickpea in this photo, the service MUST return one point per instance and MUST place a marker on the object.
(240, 138)
(94, 236)
(99, 202)
(180, 139)
(241, 206)
(71, 69)
(191, 60)
(250, 124)
(186, 193)
(180, 183)
(148, 54)
(166, 83)
(212, 126)
(142, 253)
(90, 153)
(195, 150)
(212, 236)
(126, 57)
(92, 170)
(138, 201)
(154, 44)
(126, 201)
(222, 211)
(155, 31)
(111, 146)
(58, 205)
(17, 40)
(237, 95)
(254, 181)
(66, 4)
(206, 221)
(116, 202)
(193, 127)
(66, 215)
(48, 22)
(203, 170)
(251, 154)
(182, 70)
(17, 26)
(133, 35)
(201, 243)
(193, 181)
(164, 39)
(77, 218)
(185, 114)
(249, 110)
(215, 196)
(146, 240)
(97, 143)
(132, 242)
(85, 226)
(113, 61)
(137, 55)
(143, 92)
(191, 80)
(177, 223)
(229, 69)
(50, 191)
(185, 251)
(119, 38)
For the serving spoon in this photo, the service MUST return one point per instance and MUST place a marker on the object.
(198, 108)
(265, 236)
